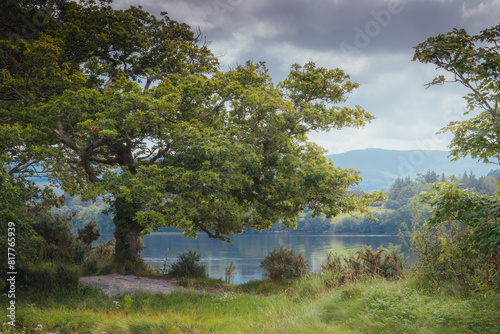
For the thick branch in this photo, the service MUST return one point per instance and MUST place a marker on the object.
(110, 81)
(210, 234)
(160, 154)
(64, 139)
(108, 161)
(89, 170)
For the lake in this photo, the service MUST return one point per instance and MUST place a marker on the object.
(247, 250)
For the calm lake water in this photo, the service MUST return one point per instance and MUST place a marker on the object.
(247, 250)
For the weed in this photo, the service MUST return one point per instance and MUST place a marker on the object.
(229, 273)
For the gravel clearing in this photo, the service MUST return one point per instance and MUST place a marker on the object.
(123, 284)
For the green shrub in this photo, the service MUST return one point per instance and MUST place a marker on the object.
(67, 277)
(442, 259)
(188, 266)
(105, 250)
(283, 264)
(386, 263)
(79, 251)
(57, 235)
(91, 263)
(47, 277)
(89, 233)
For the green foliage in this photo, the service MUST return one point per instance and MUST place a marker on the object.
(284, 265)
(58, 240)
(472, 61)
(387, 263)
(79, 251)
(476, 214)
(91, 264)
(105, 250)
(89, 233)
(229, 273)
(47, 277)
(443, 259)
(397, 209)
(127, 303)
(188, 266)
(20, 201)
(134, 115)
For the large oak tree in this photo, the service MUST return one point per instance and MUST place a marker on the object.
(134, 108)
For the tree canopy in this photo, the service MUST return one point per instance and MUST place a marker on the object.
(123, 105)
(473, 61)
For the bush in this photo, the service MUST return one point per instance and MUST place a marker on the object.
(188, 266)
(67, 278)
(47, 277)
(442, 258)
(57, 235)
(284, 264)
(105, 250)
(79, 251)
(89, 233)
(91, 263)
(387, 263)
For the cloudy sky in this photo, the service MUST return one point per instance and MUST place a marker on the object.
(371, 40)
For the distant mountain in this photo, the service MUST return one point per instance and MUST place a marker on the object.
(379, 168)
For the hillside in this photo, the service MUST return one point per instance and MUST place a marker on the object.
(379, 168)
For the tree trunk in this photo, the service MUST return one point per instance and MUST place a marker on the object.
(127, 233)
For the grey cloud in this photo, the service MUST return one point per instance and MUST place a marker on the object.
(265, 30)
(324, 25)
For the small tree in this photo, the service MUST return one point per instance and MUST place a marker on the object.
(473, 61)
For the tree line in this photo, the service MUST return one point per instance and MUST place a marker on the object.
(399, 206)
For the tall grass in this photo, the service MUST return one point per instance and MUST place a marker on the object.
(306, 305)
(365, 292)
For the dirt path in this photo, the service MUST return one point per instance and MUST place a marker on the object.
(121, 284)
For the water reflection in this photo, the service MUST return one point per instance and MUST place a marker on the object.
(247, 250)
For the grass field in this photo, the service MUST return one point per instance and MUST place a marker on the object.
(304, 306)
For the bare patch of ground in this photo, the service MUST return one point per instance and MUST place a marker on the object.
(115, 284)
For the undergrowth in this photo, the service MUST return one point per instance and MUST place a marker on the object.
(306, 305)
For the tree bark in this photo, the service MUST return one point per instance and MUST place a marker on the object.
(127, 233)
